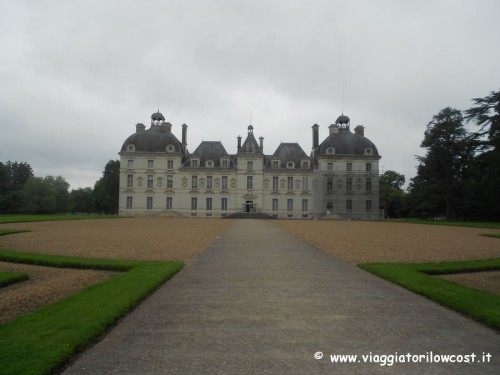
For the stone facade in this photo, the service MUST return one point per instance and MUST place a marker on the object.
(339, 179)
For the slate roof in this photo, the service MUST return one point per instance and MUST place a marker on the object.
(346, 143)
(154, 139)
(208, 150)
(289, 152)
(250, 145)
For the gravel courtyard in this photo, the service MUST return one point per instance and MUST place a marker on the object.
(185, 238)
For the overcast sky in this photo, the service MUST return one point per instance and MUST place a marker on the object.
(76, 76)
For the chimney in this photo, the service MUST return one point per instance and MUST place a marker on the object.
(239, 143)
(184, 138)
(139, 127)
(315, 129)
(261, 139)
(359, 130)
(334, 128)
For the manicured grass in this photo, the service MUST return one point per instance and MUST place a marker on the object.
(473, 224)
(477, 304)
(41, 341)
(494, 235)
(8, 278)
(4, 232)
(55, 217)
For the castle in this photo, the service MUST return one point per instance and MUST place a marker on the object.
(339, 179)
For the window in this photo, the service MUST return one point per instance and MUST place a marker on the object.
(349, 167)
(305, 165)
(224, 182)
(289, 183)
(129, 203)
(330, 151)
(348, 184)
(149, 203)
(348, 205)
(208, 205)
(223, 204)
(289, 205)
(209, 182)
(305, 184)
(170, 182)
(249, 182)
(290, 165)
(305, 205)
(329, 167)
(194, 182)
(194, 163)
(170, 164)
(130, 148)
(130, 180)
(225, 164)
(275, 183)
(329, 183)
(329, 206)
(194, 203)
(150, 164)
(275, 204)
(276, 164)
(250, 165)
(210, 164)
(368, 205)
(368, 167)
(169, 203)
(150, 181)
(368, 184)
(130, 164)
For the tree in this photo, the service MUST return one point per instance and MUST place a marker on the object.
(13, 176)
(107, 187)
(61, 186)
(483, 199)
(438, 187)
(81, 200)
(486, 114)
(396, 200)
(40, 196)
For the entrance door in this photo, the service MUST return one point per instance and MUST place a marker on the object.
(249, 206)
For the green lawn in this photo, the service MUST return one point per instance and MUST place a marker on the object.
(473, 224)
(479, 305)
(493, 235)
(41, 341)
(53, 217)
(7, 278)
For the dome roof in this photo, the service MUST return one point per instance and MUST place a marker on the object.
(155, 139)
(346, 143)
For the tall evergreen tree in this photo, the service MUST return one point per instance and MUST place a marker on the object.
(438, 186)
(483, 187)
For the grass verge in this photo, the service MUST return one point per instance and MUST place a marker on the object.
(43, 340)
(4, 219)
(477, 304)
(4, 232)
(472, 224)
(8, 278)
(493, 235)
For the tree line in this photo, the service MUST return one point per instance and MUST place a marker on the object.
(21, 191)
(459, 175)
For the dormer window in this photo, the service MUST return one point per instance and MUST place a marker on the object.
(131, 148)
(276, 164)
(330, 151)
(225, 163)
(290, 165)
(194, 163)
(170, 148)
(210, 164)
(368, 151)
(305, 165)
